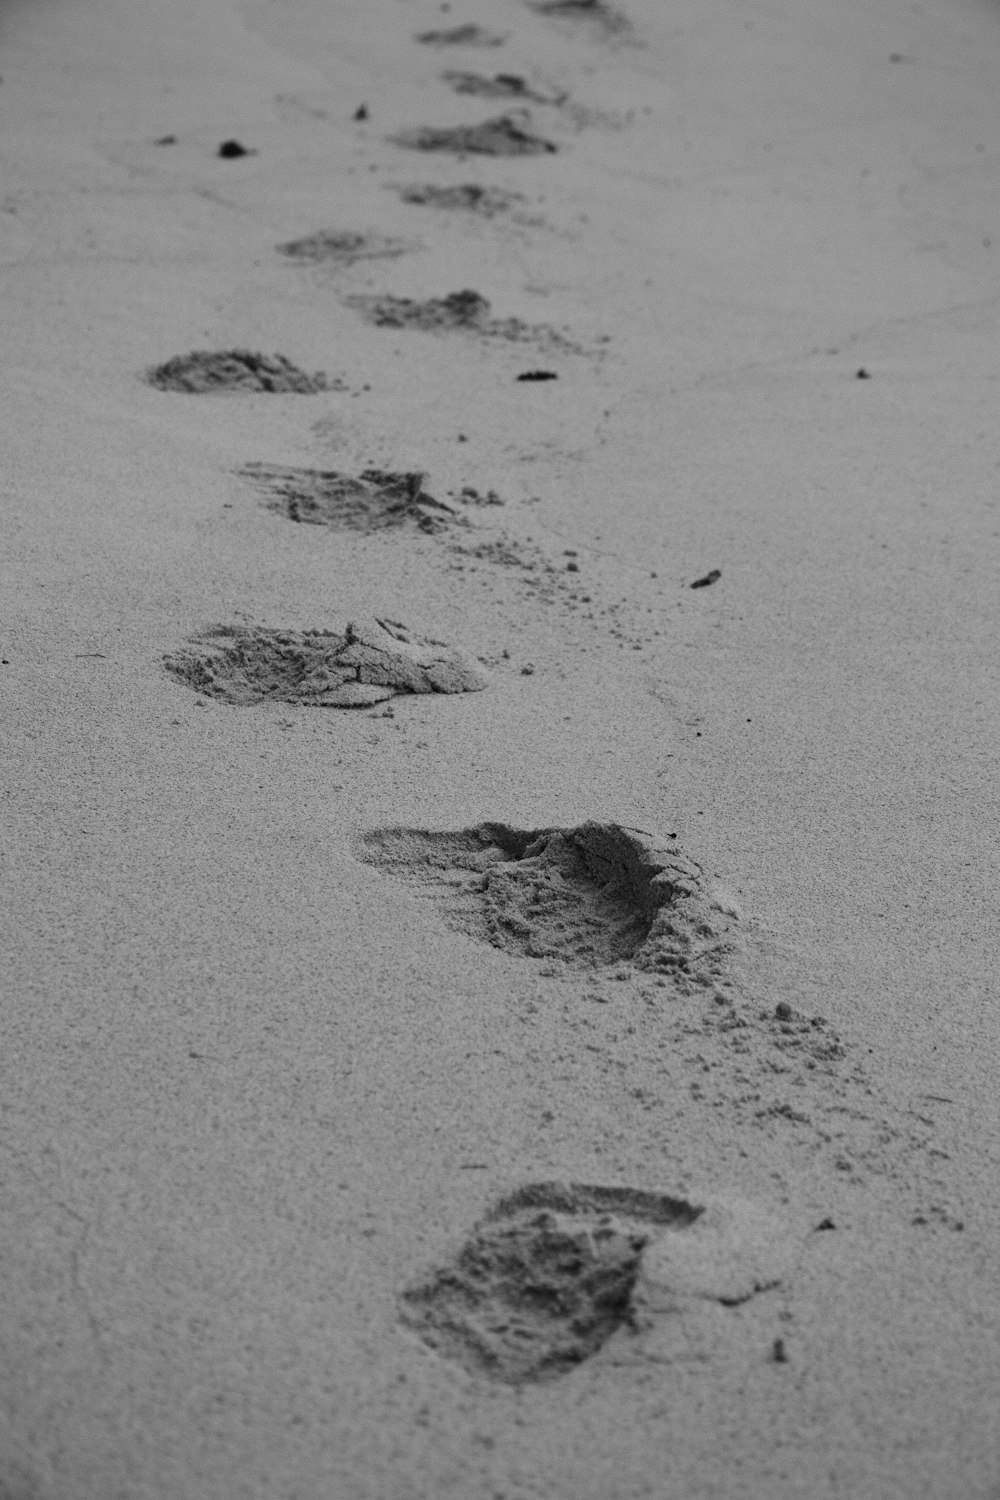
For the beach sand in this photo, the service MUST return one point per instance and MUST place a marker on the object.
(582, 1085)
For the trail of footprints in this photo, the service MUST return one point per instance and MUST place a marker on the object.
(553, 1271)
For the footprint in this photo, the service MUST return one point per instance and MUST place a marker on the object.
(344, 247)
(374, 500)
(504, 135)
(205, 372)
(544, 1280)
(500, 86)
(372, 661)
(470, 196)
(465, 311)
(611, 21)
(590, 896)
(469, 35)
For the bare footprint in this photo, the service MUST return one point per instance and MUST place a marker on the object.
(374, 500)
(590, 896)
(373, 660)
(217, 371)
(544, 1280)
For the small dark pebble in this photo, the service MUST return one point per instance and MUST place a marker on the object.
(703, 583)
(778, 1353)
(166, 140)
(230, 149)
(572, 567)
(528, 671)
(862, 374)
(538, 375)
(825, 1224)
(783, 1011)
(361, 113)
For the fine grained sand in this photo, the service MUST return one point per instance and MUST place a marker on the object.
(353, 1148)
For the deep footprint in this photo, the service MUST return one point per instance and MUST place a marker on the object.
(344, 247)
(372, 661)
(208, 371)
(374, 500)
(544, 1280)
(502, 136)
(589, 896)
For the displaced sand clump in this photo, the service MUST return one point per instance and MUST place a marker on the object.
(500, 86)
(372, 661)
(217, 371)
(590, 896)
(543, 1281)
(505, 135)
(374, 500)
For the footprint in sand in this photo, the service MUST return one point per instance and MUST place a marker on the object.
(345, 247)
(590, 896)
(596, 11)
(470, 197)
(543, 1281)
(375, 500)
(468, 35)
(372, 661)
(210, 372)
(464, 312)
(504, 135)
(500, 86)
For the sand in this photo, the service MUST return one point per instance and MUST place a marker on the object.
(585, 1086)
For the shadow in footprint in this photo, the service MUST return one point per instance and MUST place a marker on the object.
(504, 135)
(210, 372)
(544, 1280)
(372, 661)
(590, 896)
(375, 500)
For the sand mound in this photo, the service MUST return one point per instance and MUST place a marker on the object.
(374, 500)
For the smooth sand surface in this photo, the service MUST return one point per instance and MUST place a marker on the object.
(261, 1084)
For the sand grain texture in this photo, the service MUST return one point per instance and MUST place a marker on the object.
(362, 1072)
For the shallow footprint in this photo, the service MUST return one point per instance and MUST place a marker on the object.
(590, 896)
(373, 660)
(374, 500)
(216, 371)
(544, 1280)
(504, 135)
(472, 197)
(344, 247)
